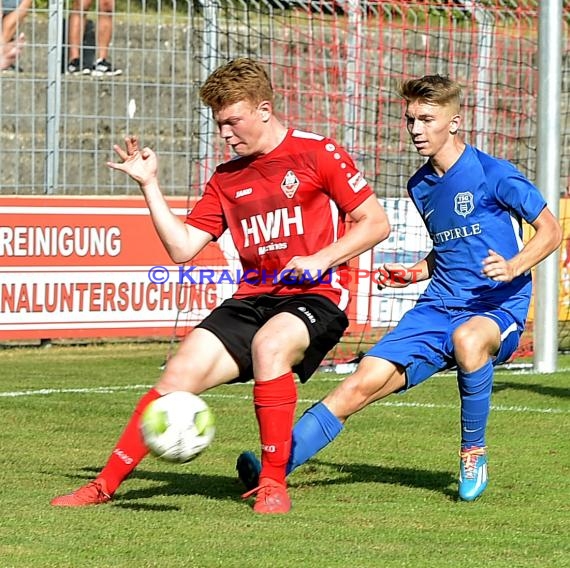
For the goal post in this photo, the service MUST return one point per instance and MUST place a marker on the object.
(548, 178)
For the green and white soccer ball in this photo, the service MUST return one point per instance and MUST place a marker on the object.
(177, 427)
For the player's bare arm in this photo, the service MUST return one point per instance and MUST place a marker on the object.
(181, 241)
(369, 227)
(546, 239)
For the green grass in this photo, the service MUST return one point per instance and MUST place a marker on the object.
(383, 494)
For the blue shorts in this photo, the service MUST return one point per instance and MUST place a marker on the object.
(421, 342)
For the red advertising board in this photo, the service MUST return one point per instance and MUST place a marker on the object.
(79, 267)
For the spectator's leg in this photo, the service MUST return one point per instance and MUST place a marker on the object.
(77, 27)
(104, 27)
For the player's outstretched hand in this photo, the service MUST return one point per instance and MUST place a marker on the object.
(394, 275)
(497, 268)
(140, 165)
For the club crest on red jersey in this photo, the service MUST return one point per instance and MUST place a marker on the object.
(290, 184)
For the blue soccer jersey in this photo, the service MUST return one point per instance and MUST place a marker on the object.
(479, 204)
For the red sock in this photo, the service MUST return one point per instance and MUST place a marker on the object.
(275, 402)
(130, 449)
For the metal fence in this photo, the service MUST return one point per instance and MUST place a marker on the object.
(335, 67)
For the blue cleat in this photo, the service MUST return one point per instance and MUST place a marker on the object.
(473, 477)
(248, 469)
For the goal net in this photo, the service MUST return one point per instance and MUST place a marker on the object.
(336, 67)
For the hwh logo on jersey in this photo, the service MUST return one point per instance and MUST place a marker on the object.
(272, 225)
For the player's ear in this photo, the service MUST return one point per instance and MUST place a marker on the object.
(265, 110)
(454, 124)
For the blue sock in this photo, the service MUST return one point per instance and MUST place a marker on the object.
(475, 392)
(313, 431)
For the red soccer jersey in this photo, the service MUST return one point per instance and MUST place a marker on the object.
(290, 202)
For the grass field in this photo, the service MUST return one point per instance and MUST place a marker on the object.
(383, 494)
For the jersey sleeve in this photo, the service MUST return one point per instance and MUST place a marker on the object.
(341, 179)
(207, 214)
(516, 192)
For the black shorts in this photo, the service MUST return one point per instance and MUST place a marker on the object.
(235, 322)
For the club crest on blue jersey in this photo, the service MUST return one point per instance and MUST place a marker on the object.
(290, 184)
(464, 203)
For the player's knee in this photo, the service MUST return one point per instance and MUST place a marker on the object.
(179, 374)
(468, 348)
(271, 351)
(266, 344)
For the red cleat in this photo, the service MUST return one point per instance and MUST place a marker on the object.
(272, 497)
(94, 493)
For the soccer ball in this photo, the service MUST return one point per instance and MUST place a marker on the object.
(177, 427)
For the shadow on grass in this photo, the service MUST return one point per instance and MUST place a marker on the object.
(222, 487)
(558, 392)
(441, 481)
(218, 487)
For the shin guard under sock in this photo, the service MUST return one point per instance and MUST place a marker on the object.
(317, 428)
(475, 392)
(275, 403)
(130, 449)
